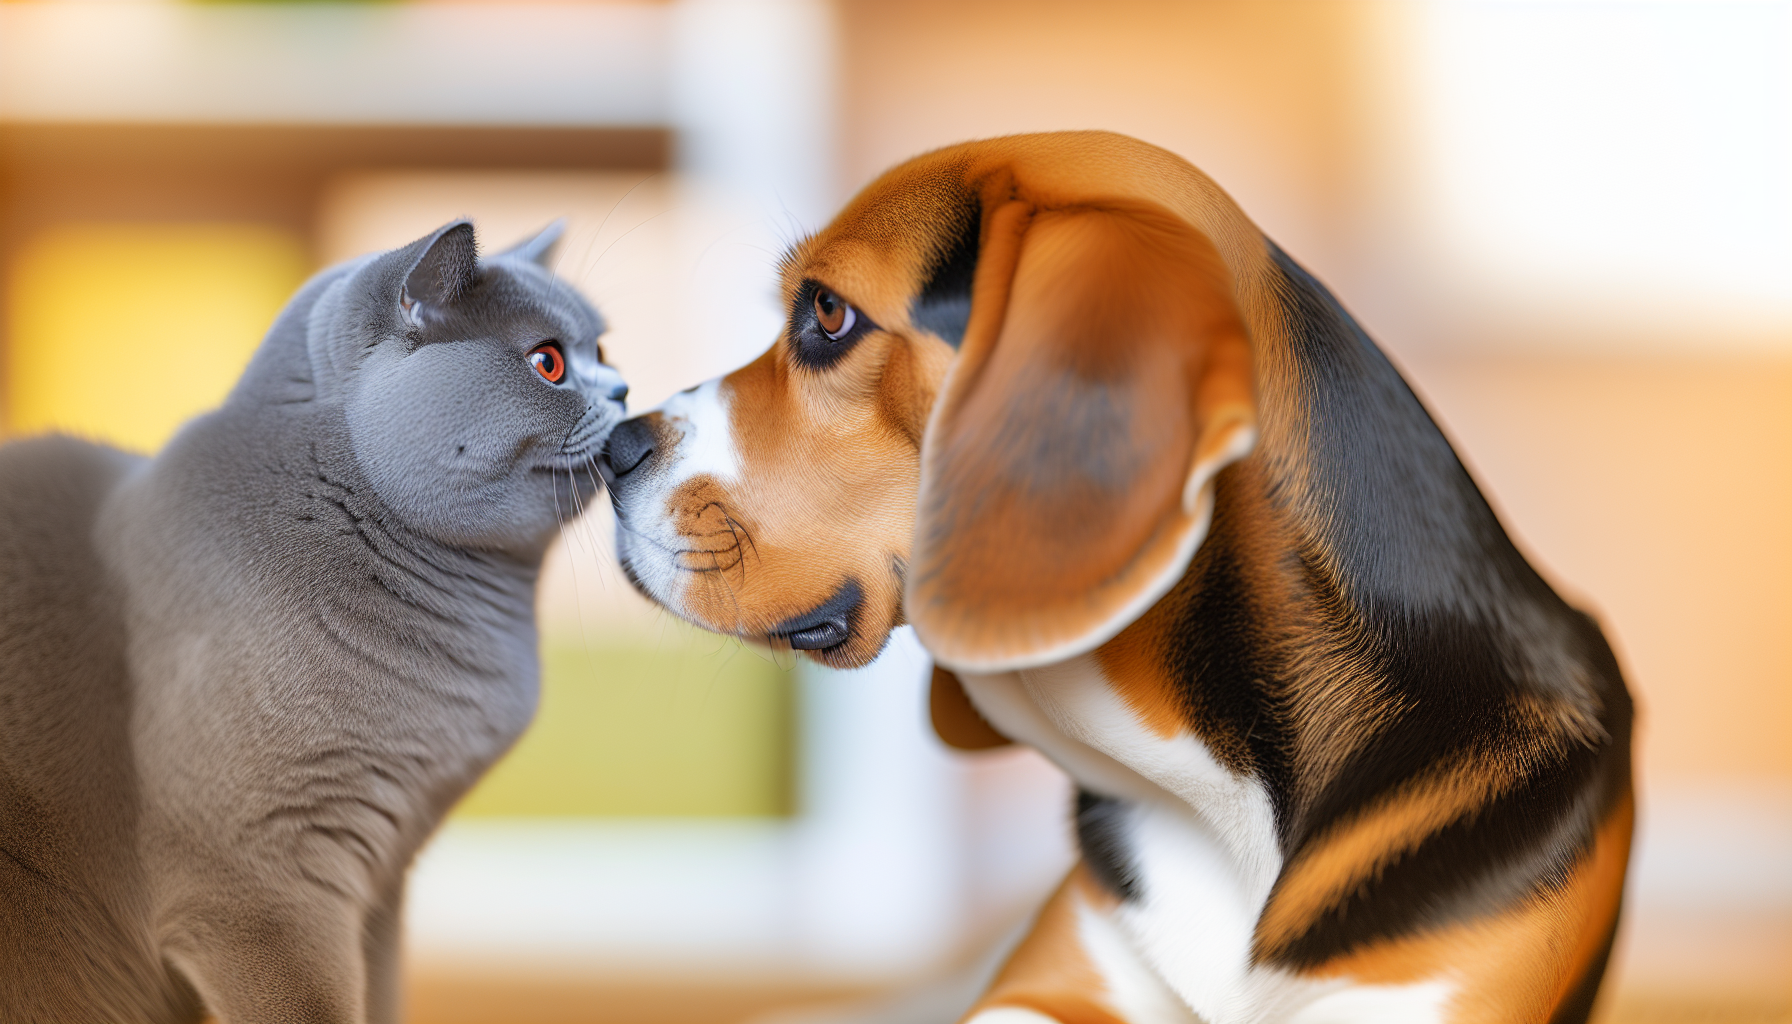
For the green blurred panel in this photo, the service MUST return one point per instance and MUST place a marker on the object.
(685, 724)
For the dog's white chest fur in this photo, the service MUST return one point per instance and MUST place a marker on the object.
(1202, 845)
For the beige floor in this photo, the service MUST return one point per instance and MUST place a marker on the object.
(1685, 965)
(440, 1000)
(1684, 1008)
(496, 1000)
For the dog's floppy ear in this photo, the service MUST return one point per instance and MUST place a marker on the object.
(1067, 472)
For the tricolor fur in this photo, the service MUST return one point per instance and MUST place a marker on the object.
(1170, 516)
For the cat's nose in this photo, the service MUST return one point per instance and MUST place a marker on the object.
(630, 444)
(619, 392)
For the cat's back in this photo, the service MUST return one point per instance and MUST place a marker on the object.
(51, 489)
(72, 943)
(61, 659)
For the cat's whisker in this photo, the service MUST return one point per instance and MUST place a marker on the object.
(590, 465)
(617, 205)
(570, 528)
(578, 504)
(570, 542)
(630, 231)
(573, 564)
(560, 521)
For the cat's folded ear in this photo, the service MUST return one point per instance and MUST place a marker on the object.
(540, 249)
(447, 264)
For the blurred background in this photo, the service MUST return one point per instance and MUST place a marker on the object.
(1570, 223)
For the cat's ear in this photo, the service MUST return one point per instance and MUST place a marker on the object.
(540, 249)
(447, 266)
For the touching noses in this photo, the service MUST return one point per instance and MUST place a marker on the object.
(630, 444)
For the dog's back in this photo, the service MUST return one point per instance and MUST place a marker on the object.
(72, 905)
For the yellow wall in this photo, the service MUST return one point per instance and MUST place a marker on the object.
(121, 332)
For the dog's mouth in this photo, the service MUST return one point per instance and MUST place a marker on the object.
(827, 626)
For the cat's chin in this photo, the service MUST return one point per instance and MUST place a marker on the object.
(521, 523)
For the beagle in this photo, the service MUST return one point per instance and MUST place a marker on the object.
(1166, 513)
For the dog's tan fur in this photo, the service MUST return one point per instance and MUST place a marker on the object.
(1169, 516)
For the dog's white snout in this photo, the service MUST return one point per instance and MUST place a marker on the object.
(706, 437)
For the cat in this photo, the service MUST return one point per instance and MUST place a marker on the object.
(241, 682)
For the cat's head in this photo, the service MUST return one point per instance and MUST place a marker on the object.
(473, 392)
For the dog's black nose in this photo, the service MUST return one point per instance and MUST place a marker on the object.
(630, 444)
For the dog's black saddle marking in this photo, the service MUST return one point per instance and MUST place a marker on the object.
(1411, 578)
(1452, 621)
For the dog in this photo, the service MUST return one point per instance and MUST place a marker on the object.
(1159, 507)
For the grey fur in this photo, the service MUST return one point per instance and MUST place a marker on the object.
(241, 683)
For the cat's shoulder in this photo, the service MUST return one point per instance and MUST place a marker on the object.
(56, 470)
(51, 490)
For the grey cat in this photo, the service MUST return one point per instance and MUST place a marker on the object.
(241, 683)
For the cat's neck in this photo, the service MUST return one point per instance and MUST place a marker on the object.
(263, 506)
(332, 504)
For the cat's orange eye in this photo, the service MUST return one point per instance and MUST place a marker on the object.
(548, 361)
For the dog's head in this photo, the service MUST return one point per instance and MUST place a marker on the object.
(1010, 371)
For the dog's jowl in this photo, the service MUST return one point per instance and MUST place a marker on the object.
(1166, 513)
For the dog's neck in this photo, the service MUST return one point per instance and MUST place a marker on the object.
(1377, 489)
(1353, 554)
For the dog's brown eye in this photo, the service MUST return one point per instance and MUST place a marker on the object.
(548, 361)
(833, 314)
(827, 330)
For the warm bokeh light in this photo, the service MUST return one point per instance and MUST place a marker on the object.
(1636, 157)
(121, 332)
